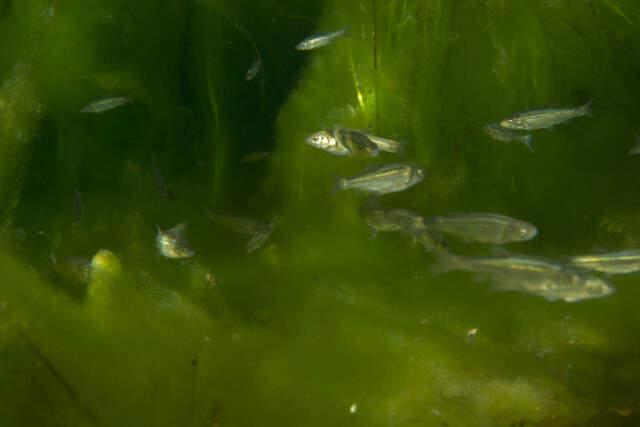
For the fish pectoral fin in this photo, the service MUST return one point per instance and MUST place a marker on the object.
(527, 141)
(373, 233)
(257, 241)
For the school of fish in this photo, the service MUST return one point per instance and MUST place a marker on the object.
(571, 279)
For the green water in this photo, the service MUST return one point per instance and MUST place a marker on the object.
(323, 325)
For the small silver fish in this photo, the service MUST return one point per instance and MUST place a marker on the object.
(325, 141)
(622, 262)
(253, 70)
(483, 227)
(358, 144)
(544, 119)
(385, 144)
(258, 230)
(636, 147)
(537, 276)
(383, 179)
(497, 132)
(173, 243)
(106, 104)
(73, 268)
(381, 219)
(321, 39)
(255, 157)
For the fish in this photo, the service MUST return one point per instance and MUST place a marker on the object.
(636, 146)
(253, 70)
(318, 40)
(544, 119)
(381, 219)
(324, 140)
(358, 144)
(385, 144)
(173, 243)
(497, 132)
(549, 279)
(483, 227)
(384, 179)
(622, 262)
(105, 104)
(258, 230)
(73, 268)
(255, 157)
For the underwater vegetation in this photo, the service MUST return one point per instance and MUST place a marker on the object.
(173, 250)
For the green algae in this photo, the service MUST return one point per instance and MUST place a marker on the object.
(322, 318)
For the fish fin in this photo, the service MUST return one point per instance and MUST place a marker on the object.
(431, 241)
(181, 227)
(527, 141)
(585, 109)
(158, 229)
(373, 233)
(402, 147)
(636, 147)
(256, 241)
(446, 262)
(339, 184)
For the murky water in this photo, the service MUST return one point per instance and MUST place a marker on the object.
(321, 323)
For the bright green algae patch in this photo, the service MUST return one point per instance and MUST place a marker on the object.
(323, 325)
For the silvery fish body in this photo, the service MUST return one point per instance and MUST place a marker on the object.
(321, 39)
(548, 279)
(543, 119)
(387, 178)
(385, 144)
(483, 227)
(497, 132)
(325, 141)
(258, 230)
(358, 144)
(73, 268)
(253, 70)
(622, 262)
(381, 219)
(106, 104)
(173, 243)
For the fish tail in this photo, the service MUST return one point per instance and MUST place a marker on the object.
(527, 140)
(401, 148)
(585, 110)
(339, 184)
(636, 147)
(446, 261)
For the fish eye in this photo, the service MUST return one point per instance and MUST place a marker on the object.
(315, 138)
